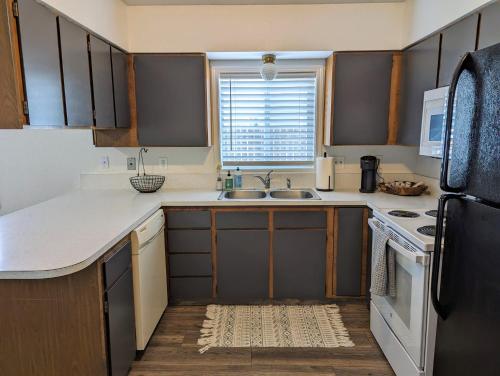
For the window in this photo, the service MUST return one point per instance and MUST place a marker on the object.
(268, 123)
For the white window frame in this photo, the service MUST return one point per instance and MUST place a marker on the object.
(316, 66)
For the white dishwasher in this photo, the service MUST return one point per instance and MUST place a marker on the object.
(149, 275)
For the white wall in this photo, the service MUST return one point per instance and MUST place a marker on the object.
(107, 18)
(266, 27)
(36, 165)
(423, 17)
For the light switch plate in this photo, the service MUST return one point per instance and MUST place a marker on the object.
(131, 164)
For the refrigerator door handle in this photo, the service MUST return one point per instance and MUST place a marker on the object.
(465, 63)
(441, 311)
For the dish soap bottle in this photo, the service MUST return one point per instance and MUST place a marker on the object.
(218, 184)
(238, 179)
(229, 182)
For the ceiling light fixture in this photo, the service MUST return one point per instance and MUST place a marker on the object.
(269, 70)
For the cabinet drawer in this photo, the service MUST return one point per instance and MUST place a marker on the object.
(191, 288)
(237, 220)
(188, 219)
(183, 265)
(117, 264)
(189, 241)
(300, 219)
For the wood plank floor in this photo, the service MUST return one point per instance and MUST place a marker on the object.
(173, 351)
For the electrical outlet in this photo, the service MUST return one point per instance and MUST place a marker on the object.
(339, 162)
(380, 160)
(131, 164)
(104, 162)
(163, 163)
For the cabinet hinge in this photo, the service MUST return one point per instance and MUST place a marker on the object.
(106, 306)
(26, 110)
(15, 9)
(88, 45)
(93, 114)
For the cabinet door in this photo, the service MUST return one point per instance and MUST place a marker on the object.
(102, 83)
(171, 100)
(120, 86)
(349, 238)
(76, 73)
(42, 71)
(489, 30)
(242, 264)
(299, 264)
(121, 325)
(457, 40)
(420, 67)
(9, 110)
(361, 99)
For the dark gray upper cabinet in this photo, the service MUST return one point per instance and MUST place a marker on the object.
(489, 29)
(242, 264)
(120, 86)
(102, 83)
(349, 251)
(299, 263)
(457, 40)
(42, 71)
(76, 73)
(171, 99)
(361, 98)
(420, 66)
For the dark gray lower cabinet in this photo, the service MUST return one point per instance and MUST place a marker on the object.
(349, 251)
(242, 264)
(119, 311)
(299, 263)
(190, 287)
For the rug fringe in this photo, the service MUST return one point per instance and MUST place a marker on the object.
(208, 337)
(333, 314)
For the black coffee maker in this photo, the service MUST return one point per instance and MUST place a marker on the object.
(369, 166)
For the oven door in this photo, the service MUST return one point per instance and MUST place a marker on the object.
(406, 314)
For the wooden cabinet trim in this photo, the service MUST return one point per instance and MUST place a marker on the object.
(330, 244)
(392, 134)
(329, 98)
(364, 252)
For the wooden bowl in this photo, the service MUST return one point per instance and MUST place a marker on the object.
(402, 191)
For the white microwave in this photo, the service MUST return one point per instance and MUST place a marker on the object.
(433, 122)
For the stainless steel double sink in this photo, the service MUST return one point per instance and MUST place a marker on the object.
(273, 194)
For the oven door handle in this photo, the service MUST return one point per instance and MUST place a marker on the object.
(414, 257)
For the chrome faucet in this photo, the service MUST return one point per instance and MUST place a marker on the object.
(288, 183)
(267, 180)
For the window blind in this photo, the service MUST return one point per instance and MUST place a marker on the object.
(266, 123)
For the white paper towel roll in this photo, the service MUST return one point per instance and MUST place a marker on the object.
(325, 173)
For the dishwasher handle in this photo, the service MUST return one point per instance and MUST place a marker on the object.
(416, 258)
(152, 239)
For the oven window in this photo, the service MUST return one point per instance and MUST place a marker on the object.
(402, 302)
(436, 127)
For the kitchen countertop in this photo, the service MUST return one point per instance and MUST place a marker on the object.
(68, 233)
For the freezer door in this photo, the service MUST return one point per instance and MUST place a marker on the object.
(467, 339)
(471, 155)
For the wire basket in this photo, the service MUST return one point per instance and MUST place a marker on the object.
(147, 183)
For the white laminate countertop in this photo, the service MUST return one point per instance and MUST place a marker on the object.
(68, 233)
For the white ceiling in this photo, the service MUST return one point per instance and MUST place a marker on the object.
(250, 2)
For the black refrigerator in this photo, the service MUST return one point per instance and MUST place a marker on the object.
(465, 286)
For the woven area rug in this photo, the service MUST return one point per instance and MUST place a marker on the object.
(273, 326)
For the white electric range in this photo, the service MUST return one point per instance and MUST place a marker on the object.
(404, 325)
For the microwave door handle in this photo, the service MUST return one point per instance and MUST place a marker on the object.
(415, 258)
(464, 64)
